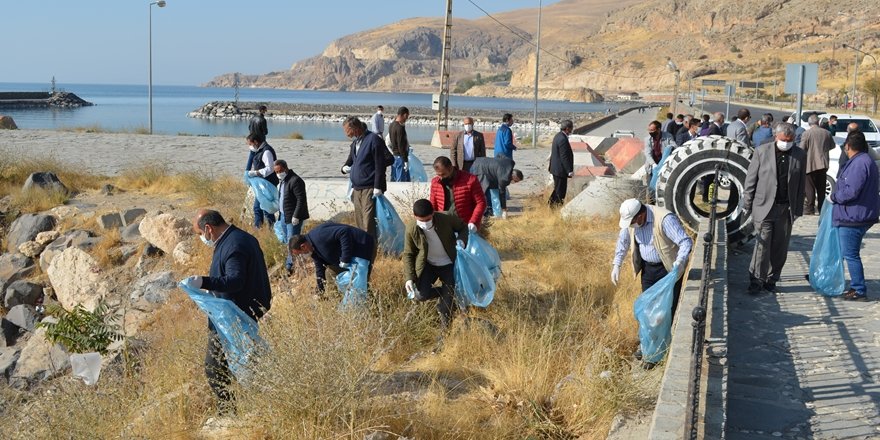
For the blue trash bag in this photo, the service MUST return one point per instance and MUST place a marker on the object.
(281, 231)
(474, 285)
(826, 263)
(495, 198)
(655, 172)
(485, 253)
(416, 169)
(265, 192)
(238, 332)
(352, 283)
(391, 228)
(653, 311)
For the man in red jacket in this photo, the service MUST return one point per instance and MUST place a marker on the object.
(457, 192)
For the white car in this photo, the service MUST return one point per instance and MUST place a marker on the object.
(866, 125)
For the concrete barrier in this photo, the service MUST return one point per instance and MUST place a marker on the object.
(444, 139)
(602, 197)
(329, 198)
(627, 155)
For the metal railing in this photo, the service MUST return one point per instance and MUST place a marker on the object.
(699, 313)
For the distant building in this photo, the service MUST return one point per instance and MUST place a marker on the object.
(628, 96)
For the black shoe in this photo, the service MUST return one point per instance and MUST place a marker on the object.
(638, 354)
(755, 288)
(770, 286)
(852, 295)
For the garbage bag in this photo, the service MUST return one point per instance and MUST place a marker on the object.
(265, 192)
(281, 231)
(655, 172)
(474, 285)
(86, 366)
(826, 263)
(238, 332)
(391, 228)
(352, 283)
(485, 253)
(495, 199)
(416, 169)
(653, 311)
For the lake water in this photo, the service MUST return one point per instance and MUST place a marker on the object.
(125, 107)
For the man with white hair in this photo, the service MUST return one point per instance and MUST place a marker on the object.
(816, 143)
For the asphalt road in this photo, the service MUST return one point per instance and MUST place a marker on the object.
(756, 111)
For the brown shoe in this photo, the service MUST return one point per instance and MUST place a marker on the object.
(852, 295)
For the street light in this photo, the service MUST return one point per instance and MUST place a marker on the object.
(671, 65)
(161, 4)
(856, 67)
(846, 46)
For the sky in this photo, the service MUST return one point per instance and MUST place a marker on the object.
(106, 41)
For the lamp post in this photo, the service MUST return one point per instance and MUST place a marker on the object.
(671, 65)
(846, 46)
(856, 66)
(161, 4)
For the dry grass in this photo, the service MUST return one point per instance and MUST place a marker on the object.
(107, 251)
(294, 135)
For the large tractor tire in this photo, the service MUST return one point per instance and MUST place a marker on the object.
(683, 170)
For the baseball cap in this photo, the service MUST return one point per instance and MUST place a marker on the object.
(628, 211)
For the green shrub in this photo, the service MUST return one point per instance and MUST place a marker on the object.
(82, 331)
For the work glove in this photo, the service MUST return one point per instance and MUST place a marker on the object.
(677, 265)
(253, 173)
(406, 166)
(746, 213)
(615, 274)
(344, 265)
(472, 227)
(504, 214)
(194, 282)
(570, 174)
(410, 289)
(460, 243)
(346, 169)
(377, 192)
(295, 221)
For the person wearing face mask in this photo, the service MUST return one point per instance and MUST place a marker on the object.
(262, 165)
(655, 141)
(294, 207)
(335, 246)
(468, 145)
(693, 126)
(773, 195)
(429, 254)
(399, 146)
(457, 193)
(365, 165)
(673, 128)
(561, 163)
(378, 121)
(504, 137)
(238, 273)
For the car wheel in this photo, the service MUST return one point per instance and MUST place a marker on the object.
(830, 184)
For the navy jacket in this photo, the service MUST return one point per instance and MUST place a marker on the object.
(856, 201)
(368, 165)
(333, 243)
(238, 273)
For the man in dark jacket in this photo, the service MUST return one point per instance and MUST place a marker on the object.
(238, 273)
(399, 146)
(561, 163)
(257, 124)
(335, 246)
(496, 173)
(263, 166)
(292, 201)
(689, 133)
(468, 145)
(429, 254)
(366, 167)
(717, 126)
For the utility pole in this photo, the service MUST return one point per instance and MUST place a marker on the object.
(236, 83)
(443, 111)
(537, 63)
(53, 84)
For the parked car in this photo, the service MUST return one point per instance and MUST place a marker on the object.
(619, 134)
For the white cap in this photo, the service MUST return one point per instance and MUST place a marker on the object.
(629, 209)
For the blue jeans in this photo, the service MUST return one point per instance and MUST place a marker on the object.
(259, 214)
(291, 230)
(397, 172)
(850, 246)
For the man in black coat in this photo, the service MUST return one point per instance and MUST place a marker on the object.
(257, 123)
(238, 273)
(334, 245)
(561, 163)
(366, 165)
(293, 204)
(496, 173)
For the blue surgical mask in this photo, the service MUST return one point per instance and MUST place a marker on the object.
(208, 243)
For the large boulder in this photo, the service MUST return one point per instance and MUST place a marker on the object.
(8, 358)
(77, 238)
(45, 180)
(14, 267)
(31, 249)
(23, 316)
(39, 360)
(110, 221)
(26, 228)
(22, 292)
(76, 278)
(165, 231)
(184, 253)
(153, 290)
(131, 233)
(7, 123)
(131, 216)
(44, 238)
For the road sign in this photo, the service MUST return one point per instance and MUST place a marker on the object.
(751, 84)
(792, 77)
(714, 83)
(729, 90)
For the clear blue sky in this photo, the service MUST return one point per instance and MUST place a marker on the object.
(105, 41)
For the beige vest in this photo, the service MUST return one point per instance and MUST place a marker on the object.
(667, 249)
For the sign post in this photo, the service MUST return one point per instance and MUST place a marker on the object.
(801, 78)
(729, 90)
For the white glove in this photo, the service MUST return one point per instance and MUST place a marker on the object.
(410, 289)
(406, 166)
(343, 265)
(677, 265)
(504, 214)
(460, 243)
(253, 173)
(377, 192)
(615, 274)
(472, 227)
(194, 282)
(346, 169)
(295, 221)
(570, 174)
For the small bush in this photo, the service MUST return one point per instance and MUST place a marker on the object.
(38, 199)
(295, 135)
(82, 331)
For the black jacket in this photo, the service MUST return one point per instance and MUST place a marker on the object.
(683, 136)
(333, 243)
(257, 125)
(494, 173)
(238, 273)
(368, 165)
(561, 156)
(714, 129)
(399, 141)
(295, 203)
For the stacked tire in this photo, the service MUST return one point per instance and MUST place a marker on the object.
(690, 164)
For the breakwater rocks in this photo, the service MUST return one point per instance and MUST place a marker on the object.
(334, 113)
(41, 100)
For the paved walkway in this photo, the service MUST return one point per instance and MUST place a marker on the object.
(635, 121)
(804, 366)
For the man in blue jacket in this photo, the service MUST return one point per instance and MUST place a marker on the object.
(504, 138)
(365, 165)
(856, 209)
(238, 273)
(334, 245)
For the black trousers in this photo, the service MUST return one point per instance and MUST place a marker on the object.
(560, 187)
(815, 191)
(466, 165)
(217, 370)
(653, 272)
(445, 294)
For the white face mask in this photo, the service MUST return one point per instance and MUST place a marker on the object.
(252, 148)
(208, 243)
(784, 146)
(425, 225)
(468, 127)
(281, 176)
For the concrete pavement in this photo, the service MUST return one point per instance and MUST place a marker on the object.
(634, 121)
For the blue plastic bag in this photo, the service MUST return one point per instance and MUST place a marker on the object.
(416, 169)
(280, 231)
(238, 332)
(655, 172)
(391, 228)
(485, 253)
(826, 263)
(352, 283)
(474, 285)
(265, 192)
(653, 311)
(495, 198)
